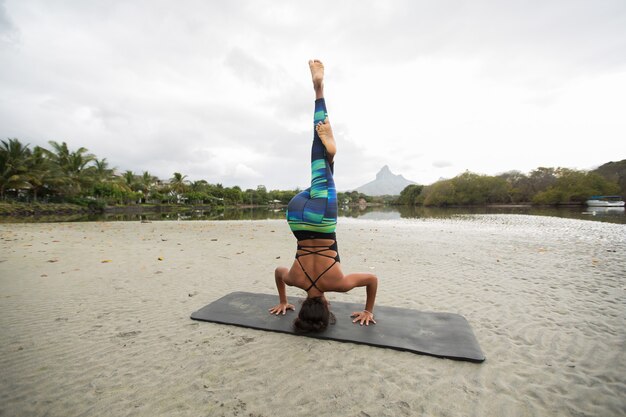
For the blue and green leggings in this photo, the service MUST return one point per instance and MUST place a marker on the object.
(312, 213)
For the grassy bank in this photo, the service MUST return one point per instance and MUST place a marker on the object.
(19, 209)
(38, 209)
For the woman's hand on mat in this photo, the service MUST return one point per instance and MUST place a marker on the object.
(281, 308)
(363, 317)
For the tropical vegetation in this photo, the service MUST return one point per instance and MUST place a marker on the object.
(541, 186)
(62, 175)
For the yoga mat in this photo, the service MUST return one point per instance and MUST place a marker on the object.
(443, 335)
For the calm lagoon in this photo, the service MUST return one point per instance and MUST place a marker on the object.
(611, 215)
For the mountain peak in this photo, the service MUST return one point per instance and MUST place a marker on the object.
(384, 172)
(386, 183)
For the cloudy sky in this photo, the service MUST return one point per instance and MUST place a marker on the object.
(220, 90)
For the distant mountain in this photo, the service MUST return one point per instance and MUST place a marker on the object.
(386, 183)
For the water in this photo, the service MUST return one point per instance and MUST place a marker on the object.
(610, 215)
(602, 214)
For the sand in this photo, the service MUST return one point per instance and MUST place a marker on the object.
(94, 320)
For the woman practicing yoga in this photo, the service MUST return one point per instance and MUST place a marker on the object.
(312, 217)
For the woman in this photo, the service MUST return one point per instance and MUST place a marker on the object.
(312, 217)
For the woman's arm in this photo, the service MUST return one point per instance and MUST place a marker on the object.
(281, 308)
(370, 282)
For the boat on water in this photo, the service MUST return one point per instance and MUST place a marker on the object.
(605, 201)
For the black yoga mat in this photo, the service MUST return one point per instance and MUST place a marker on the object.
(444, 335)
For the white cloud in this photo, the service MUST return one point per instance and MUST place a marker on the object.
(244, 172)
(442, 164)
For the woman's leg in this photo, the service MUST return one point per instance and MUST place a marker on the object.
(322, 167)
(315, 209)
(320, 119)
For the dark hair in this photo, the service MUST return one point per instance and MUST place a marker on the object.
(313, 316)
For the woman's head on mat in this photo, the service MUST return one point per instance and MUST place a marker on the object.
(314, 315)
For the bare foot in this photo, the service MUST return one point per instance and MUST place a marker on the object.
(317, 74)
(325, 133)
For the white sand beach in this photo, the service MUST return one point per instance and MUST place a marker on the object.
(94, 320)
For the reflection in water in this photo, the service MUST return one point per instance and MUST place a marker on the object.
(605, 214)
(260, 213)
(571, 212)
(595, 211)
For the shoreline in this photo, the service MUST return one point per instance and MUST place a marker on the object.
(95, 319)
(21, 209)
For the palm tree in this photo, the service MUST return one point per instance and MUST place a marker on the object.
(42, 173)
(148, 179)
(13, 165)
(129, 179)
(199, 186)
(60, 153)
(146, 184)
(179, 183)
(77, 170)
(101, 170)
(73, 165)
